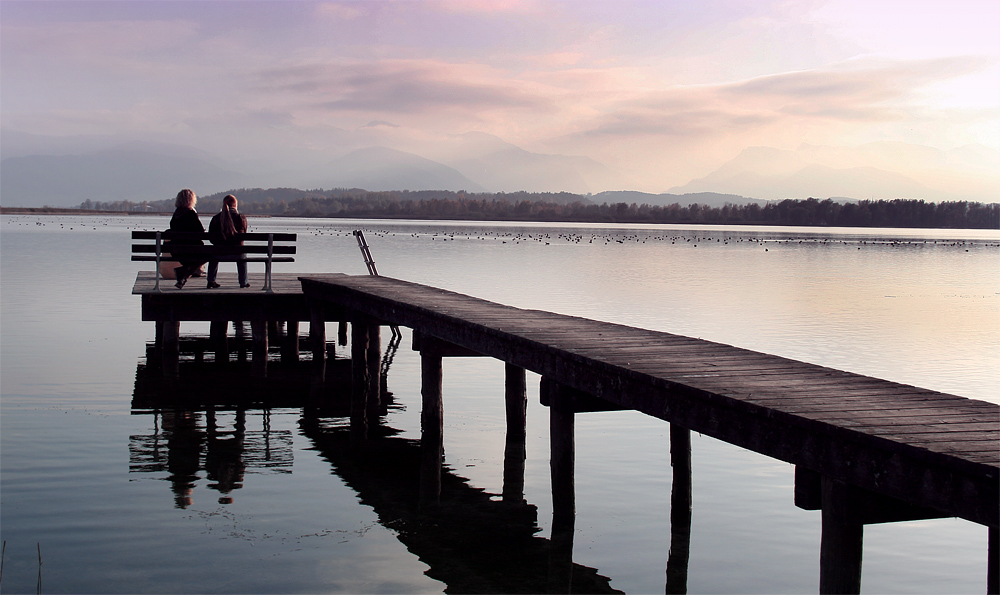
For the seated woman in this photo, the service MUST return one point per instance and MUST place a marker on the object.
(185, 219)
(224, 230)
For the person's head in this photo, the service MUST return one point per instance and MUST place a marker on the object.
(229, 201)
(186, 199)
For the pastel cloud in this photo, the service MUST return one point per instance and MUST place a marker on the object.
(632, 84)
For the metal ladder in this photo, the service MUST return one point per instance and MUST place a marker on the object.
(373, 271)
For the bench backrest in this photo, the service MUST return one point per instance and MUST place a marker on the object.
(260, 243)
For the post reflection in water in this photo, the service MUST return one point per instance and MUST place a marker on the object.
(472, 540)
(191, 444)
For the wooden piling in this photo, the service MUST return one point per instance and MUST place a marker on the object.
(374, 358)
(219, 334)
(171, 348)
(515, 395)
(317, 331)
(680, 510)
(290, 343)
(993, 566)
(560, 571)
(431, 428)
(562, 450)
(841, 544)
(258, 329)
(359, 381)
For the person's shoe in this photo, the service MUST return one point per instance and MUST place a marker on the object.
(244, 285)
(182, 276)
(214, 285)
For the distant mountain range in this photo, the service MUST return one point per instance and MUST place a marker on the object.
(66, 171)
(882, 170)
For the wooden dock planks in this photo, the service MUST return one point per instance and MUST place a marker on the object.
(921, 446)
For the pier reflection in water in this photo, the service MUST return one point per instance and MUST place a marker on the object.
(473, 541)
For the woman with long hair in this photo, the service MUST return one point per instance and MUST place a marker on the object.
(185, 219)
(224, 230)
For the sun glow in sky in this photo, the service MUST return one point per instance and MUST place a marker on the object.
(664, 91)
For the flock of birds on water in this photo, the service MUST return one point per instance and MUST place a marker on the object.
(600, 237)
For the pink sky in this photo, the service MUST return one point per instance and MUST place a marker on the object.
(661, 91)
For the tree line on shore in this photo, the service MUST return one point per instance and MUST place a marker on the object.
(566, 207)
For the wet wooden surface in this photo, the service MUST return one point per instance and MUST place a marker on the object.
(921, 446)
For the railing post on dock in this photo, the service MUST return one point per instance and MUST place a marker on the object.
(680, 510)
(359, 381)
(841, 544)
(431, 428)
(515, 395)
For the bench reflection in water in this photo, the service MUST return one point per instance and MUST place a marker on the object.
(473, 541)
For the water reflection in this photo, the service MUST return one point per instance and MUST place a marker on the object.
(213, 444)
(473, 541)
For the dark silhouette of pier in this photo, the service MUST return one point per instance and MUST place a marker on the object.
(866, 450)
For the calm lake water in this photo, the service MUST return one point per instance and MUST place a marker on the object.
(120, 499)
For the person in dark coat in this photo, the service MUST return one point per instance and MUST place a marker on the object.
(185, 219)
(224, 230)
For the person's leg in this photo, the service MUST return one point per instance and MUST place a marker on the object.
(213, 271)
(241, 272)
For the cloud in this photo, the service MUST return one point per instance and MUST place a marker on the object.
(400, 87)
(489, 6)
(338, 11)
(72, 40)
(847, 94)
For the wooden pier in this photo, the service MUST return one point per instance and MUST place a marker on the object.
(283, 305)
(865, 450)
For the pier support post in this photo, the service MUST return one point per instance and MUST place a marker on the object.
(562, 448)
(317, 342)
(680, 510)
(359, 381)
(219, 333)
(515, 395)
(842, 540)
(290, 344)
(993, 566)
(431, 428)
(374, 357)
(317, 331)
(239, 332)
(560, 576)
(258, 329)
(171, 347)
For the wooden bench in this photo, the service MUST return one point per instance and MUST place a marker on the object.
(268, 248)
